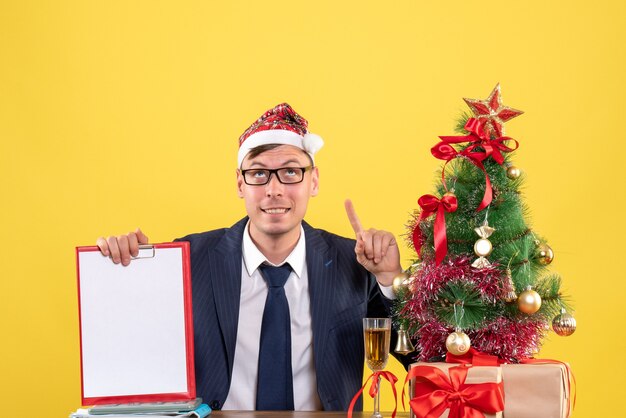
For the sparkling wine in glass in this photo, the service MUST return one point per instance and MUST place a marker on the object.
(376, 333)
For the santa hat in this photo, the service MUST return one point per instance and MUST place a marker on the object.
(280, 125)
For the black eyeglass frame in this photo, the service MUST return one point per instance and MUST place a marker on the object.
(275, 171)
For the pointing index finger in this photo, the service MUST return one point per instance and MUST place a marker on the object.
(352, 216)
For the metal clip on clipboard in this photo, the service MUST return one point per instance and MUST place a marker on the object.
(145, 251)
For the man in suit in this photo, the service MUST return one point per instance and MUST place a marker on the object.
(297, 344)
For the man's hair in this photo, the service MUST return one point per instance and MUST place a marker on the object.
(256, 151)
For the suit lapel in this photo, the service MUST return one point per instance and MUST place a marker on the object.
(225, 265)
(322, 269)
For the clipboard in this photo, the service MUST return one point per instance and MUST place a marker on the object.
(136, 326)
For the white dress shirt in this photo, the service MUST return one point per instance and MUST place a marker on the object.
(242, 393)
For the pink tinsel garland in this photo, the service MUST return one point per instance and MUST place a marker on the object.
(510, 337)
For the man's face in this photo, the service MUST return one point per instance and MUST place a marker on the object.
(276, 209)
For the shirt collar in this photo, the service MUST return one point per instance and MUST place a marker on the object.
(253, 257)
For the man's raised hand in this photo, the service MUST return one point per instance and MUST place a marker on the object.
(376, 250)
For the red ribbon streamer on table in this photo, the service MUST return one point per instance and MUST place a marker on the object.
(571, 380)
(431, 204)
(475, 358)
(390, 377)
(477, 139)
(434, 392)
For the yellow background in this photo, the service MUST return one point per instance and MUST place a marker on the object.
(121, 114)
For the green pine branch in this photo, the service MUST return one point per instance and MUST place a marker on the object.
(460, 304)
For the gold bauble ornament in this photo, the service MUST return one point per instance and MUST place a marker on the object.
(564, 324)
(513, 172)
(544, 254)
(529, 301)
(450, 194)
(458, 343)
(400, 282)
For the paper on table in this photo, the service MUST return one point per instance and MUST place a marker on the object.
(201, 411)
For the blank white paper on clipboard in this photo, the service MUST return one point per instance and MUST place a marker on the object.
(136, 326)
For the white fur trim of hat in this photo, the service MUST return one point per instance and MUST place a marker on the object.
(310, 143)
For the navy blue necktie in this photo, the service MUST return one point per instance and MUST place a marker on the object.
(275, 383)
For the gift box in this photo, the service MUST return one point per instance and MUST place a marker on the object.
(536, 390)
(539, 389)
(436, 388)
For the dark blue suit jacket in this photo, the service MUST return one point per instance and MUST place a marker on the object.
(342, 292)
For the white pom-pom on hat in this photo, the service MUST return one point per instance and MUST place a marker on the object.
(312, 143)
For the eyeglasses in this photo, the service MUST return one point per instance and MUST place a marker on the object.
(286, 175)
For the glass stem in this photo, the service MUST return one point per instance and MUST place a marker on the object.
(377, 399)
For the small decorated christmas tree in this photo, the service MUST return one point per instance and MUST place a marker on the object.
(480, 278)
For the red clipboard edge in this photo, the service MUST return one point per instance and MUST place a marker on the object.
(189, 347)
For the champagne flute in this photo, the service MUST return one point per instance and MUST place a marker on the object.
(376, 334)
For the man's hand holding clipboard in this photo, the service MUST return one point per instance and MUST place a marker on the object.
(122, 248)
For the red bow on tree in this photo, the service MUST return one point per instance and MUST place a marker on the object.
(445, 151)
(434, 392)
(431, 204)
(477, 138)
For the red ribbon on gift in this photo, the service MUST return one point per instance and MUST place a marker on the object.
(571, 380)
(475, 358)
(477, 138)
(390, 377)
(431, 204)
(434, 392)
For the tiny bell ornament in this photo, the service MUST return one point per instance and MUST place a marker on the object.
(400, 286)
(510, 295)
(529, 301)
(564, 324)
(483, 246)
(404, 345)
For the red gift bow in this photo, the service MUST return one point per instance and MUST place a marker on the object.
(390, 377)
(431, 204)
(478, 139)
(435, 392)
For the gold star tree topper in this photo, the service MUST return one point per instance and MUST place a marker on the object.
(492, 112)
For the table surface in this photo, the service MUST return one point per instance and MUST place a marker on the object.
(299, 414)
